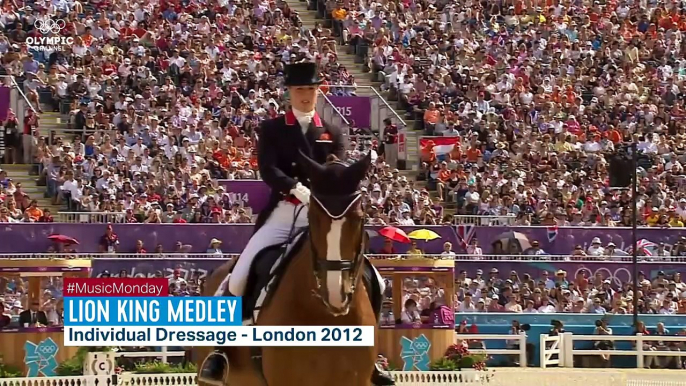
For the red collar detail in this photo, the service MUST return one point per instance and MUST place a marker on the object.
(291, 120)
(317, 120)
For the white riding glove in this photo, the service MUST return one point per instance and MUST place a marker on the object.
(302, 193)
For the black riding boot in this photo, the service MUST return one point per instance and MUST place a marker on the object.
(379, 378)
(216, 365)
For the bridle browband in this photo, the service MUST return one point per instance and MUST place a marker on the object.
(324, 266)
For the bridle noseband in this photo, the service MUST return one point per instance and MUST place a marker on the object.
(350, 267)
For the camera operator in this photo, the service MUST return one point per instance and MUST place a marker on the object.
(558, 328)
(517, 329)
(601, 328)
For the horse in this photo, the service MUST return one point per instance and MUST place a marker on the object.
(321, 283)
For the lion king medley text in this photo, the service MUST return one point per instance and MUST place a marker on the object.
(136, 312)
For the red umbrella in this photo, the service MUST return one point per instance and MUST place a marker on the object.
(63, 239)
(395, 234)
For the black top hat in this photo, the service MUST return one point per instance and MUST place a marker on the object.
(302, 74)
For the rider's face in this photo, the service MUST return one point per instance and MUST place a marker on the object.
(303, 98)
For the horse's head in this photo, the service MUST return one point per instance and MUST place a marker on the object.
(336, 229)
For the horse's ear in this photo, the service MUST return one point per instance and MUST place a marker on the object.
(312, 168)
(359, 169)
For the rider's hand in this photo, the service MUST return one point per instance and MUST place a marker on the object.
(302, 193)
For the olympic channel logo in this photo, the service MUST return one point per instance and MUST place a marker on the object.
(52, 42)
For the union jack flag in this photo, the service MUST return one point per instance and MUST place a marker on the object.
(645, 246)
(552, 233)
(465, 234)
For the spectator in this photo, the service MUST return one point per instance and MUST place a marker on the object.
(33, 317)
(109, 242)
(414, 251)
(410, 314)
(214, 247)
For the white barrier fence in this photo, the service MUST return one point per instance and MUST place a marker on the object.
(517, 344)
(553, 350)
(645, 349)
(492, 377)
(484, 220)
(549, 347)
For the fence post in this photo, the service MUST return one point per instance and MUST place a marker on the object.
(639, 351)
(568, 346)
(522, 349)
(561, 346)
(542, 350)
(164, 354)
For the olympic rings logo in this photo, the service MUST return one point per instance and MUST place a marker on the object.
(421, 345)
(49, 26)
(47, 349)
(618, 277)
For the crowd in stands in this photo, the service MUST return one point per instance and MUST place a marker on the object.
(540, 99)
(556, 292)
(163, 98)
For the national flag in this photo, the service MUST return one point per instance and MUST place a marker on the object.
(552, 233)
(644, 246)
(465, 233)
(442, 146)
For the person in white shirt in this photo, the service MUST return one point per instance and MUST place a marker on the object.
(138, 165)
(61, 87)
(530, 308)
(138, 148)
(474, 249)
(176, 279)
(447, 250)
(596, 248)
(410, 315)
(546, 307)
(405, 219)
(647, 146)
(472, 196)
(468, 304)
(71, 186)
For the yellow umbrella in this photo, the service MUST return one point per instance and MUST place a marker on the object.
(424, 234)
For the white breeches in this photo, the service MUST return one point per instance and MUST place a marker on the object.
(276, 230)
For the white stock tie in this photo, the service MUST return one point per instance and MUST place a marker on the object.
(303, 119)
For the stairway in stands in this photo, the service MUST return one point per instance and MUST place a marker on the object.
(19, 173)
(364, 80)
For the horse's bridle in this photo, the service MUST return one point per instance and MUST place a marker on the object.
(350, 267)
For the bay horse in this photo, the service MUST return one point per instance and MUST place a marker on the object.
(321, 284)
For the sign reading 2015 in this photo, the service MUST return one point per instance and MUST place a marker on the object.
(345, 111)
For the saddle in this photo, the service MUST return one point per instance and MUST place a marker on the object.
(266, 272)
(268, 268)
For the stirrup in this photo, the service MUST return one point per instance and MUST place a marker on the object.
(223, 380)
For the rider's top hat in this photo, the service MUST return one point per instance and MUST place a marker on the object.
(302, 74)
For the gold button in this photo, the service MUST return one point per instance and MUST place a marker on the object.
(293, 164)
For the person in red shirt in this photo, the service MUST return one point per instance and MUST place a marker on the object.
(387, 248)
(109, 68)
(126, 31)
(139, 248)
(178, 219)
